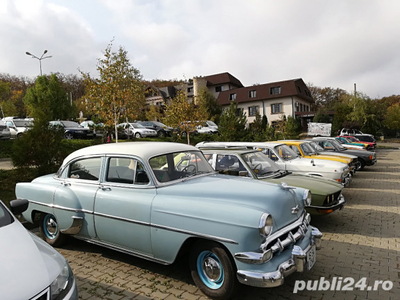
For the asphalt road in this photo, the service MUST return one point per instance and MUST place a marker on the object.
(361, 243)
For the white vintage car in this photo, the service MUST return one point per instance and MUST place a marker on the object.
(30, 268)
(156, 200)
(289, 160)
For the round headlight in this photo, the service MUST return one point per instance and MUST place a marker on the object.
(307, 197)
(266, 224)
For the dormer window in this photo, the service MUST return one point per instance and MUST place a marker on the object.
(276, 90)
(252, 94)
(232, 97)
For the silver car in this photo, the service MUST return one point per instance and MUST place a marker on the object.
(30, 268)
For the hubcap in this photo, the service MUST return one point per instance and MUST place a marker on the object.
(211, 269)
(51, 227)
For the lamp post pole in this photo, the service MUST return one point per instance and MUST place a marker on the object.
(39, 59)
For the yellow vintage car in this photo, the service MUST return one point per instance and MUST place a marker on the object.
(304, 149)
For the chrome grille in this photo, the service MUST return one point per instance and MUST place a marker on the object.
(278, 241)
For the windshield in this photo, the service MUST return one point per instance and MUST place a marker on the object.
(316, 147)
(159, 124)
(260, 164)
(211, 123)
(307, 149)
(336, 144)
(285, 153)
(173, 166)
(70, 124)
(23, 123)
(137, 125)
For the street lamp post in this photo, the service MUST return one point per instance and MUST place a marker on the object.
(39, 59)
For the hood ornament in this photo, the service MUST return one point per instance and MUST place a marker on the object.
(295, 210)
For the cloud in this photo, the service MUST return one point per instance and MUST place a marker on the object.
(327, 43)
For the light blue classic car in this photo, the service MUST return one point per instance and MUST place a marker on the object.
(156, 200)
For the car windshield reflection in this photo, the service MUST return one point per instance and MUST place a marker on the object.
(178, 165)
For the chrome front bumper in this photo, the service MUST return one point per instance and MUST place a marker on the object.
(347, 179)
(297, 262)
(328, 209)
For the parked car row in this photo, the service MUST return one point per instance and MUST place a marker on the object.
(14, 127)
(156, 200)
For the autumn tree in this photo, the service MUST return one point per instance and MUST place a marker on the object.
(117, 95)
(185, 117)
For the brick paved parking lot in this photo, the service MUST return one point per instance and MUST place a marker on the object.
(361, 241)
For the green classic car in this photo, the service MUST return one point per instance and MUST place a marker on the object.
(326, 194)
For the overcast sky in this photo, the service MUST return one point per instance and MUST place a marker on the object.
(329, 43)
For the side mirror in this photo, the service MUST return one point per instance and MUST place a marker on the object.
(18, 206)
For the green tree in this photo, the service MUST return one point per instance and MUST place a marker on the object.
(342, 110)
(293, 128)
(183, 116)
(392, 120)
(117, 94)
(321, 117)
(209, 103)
(41, 146)
(232, 126)
(47, 100)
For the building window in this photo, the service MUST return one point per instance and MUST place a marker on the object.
(299, 89)
(276, 90)
(232, 97)
(190, 89)
(253, 110)
(218, 88)
(239, 112)
(252, 94)
(276, 108)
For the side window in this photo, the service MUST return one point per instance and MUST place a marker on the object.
(126, 170)
(86, 169)
(295, 149)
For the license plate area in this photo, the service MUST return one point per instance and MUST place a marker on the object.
(311, 257)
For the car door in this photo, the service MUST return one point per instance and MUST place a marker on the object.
(122, 208)
(75, 195)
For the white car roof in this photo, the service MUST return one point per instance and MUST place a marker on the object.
(145, 150)
(255, 144)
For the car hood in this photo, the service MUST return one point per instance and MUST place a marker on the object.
(318, 163)
(328, 157)
(213, 194)
(361, 153)
(317, 185)
(28, 264)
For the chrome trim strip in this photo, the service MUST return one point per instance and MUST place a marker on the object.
(120, 249)
(62, 207)
(206, 236)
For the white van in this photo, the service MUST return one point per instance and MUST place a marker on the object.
(18, 126)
